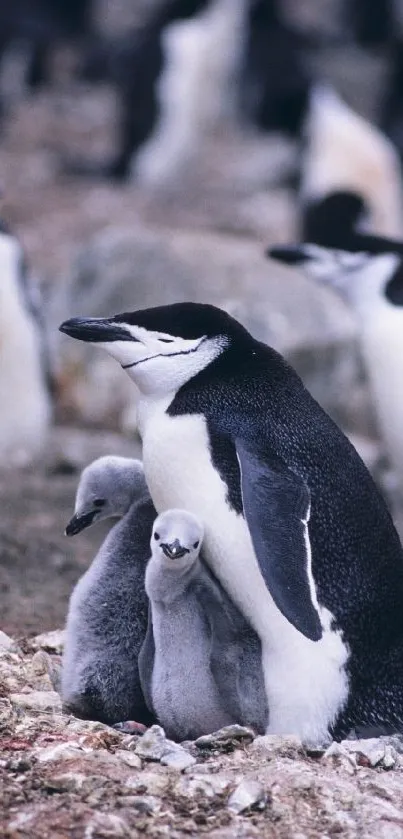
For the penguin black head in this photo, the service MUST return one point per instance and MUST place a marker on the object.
(362, 278)
(164, 347)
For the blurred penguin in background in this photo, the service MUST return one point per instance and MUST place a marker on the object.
(191, 64)
(371, 283)
(348, 157)
(26, 381)
(36, 27)
(274, 76)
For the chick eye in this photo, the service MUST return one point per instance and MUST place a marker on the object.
(166, 340)
(195, 544)
(99, 502)
(157, 536)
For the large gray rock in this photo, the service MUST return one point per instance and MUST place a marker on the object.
(132, 269)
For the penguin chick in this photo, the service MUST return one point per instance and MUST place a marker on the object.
(200, 665)
(24, 364)
(372, 285)
(107, 616)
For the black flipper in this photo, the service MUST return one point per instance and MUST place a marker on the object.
(276, 506)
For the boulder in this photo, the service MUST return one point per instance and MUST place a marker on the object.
(122, 270)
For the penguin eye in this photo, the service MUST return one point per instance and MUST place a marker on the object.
(157, 536)
(99, 502)
(195, 544)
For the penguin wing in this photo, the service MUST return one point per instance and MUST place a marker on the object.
(276, 505)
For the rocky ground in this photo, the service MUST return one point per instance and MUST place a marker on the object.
(62, 777)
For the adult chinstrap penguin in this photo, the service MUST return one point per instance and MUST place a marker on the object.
(26, 382)
(231, 434)
(200, 665)
(108, 611)
(371, 283)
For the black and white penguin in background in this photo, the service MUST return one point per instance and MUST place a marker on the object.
(36, 27)
(191, 64)
(372, 284)
(25, 376)
(295, 529)
(173, 79)
(346, 156)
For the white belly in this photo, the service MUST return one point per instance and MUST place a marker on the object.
(382, 343)
(304, 682)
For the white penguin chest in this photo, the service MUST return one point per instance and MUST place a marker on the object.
(180, 473)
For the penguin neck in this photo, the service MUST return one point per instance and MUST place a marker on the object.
(166, 584)
(236, 392)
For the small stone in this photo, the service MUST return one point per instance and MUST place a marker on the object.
(106, 826)
(226, 739)
(178, 759)
(130, 727)
(372, 752)
(316, 749)
(7, 643)
(62, 751)
(248, 795)
(208, 785)
(21, 764)
(203, 768)
(38, 663)
(347, 759)
(390, 757)
(73, 782)
(52, 642)
(336, 750)
(146, 804)
(102, 739)
(129, 758)
(150, 783)
(396, 741)
(47, 665)
(7, 714)
(274, 745)
(37, 701)
(153, 744)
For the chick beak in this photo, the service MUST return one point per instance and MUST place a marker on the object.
(174, 550)
(79, 523)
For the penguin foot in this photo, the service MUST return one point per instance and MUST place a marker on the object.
(130, 727)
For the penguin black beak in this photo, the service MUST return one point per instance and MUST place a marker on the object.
(96, 330)
(174, 550)
(79, 523)
(290, 254)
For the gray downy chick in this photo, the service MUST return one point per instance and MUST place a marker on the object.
(200, 665)
(107, 616)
